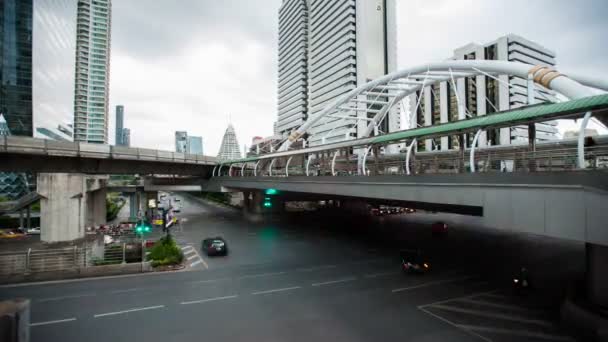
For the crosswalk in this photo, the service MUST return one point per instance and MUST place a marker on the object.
(193, 259)
(497, 316)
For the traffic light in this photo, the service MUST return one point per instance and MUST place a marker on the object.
(142, 227)
(271, 191)
(267, 202)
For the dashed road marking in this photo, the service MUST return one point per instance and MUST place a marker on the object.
(129, 310)
(53, 322)
(343, 280)
(261, 275)
(126, 290)
(66, 297)
(431, 283)
(276, 290)
(382, 274)
(208, 300)
(192, 256)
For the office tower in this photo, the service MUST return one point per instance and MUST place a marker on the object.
(195, 145)
(126, 137)
(484, 95)
(181, 141)
(120, 124)
(293, 61)
(16, 65)
(54, 54)
(93, 28)
(326, 49)
(229, 149)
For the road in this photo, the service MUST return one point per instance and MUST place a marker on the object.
(318, 276)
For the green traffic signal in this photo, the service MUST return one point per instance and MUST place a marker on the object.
(271, 191)
(267, 204)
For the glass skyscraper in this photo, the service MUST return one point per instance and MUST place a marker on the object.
(16, 65)
(93, 27)
(195, 144)
(54, 53)
(120, 125)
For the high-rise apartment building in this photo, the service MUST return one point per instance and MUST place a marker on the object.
(181, 141)
(93, 27)
(483, 95)
(326, 49)
(195, 144)
(54, 58)
(120, 125)
(16, 65)
(126, 137)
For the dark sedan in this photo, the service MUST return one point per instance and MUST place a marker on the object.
(215, 246)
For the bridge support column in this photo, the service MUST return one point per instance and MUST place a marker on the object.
(133, 205)
(96, 207)
(62, 206)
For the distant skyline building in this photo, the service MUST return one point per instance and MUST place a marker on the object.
(483, 95)
(229, 149)
(54, 58)
(93, 38)
(120, 124)
(12, 185)
(126, 137)
(326, 49)
(16, 65)
(181, 141)
(195, 145)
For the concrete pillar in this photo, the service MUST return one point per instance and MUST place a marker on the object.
(596, 277)
(532, 145)
(62, 206)
(28, 217)
(21, 218)
(133, 206)
(96, 207)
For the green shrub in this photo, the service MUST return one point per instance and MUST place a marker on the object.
(165, 252)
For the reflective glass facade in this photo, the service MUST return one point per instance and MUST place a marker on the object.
(54, 50)
(16, 65)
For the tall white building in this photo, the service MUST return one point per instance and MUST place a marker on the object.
(484, 95)
(293, 65)
(229, 149)
(93, 28)
(326, 49)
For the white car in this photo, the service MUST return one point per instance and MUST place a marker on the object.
(33, 231)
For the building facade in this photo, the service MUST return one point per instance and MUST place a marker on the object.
(126, 137)
(16, 65)
(293, 65)
(61, 133)
(483, 95)
(181, 141)
(93, 28)
(54, 53)
(195, 145)
(120, 125)
(12, 185)
(229, 149)
(326, 49)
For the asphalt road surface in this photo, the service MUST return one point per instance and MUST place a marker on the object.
(323, 276)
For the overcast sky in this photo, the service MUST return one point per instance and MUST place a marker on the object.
(200, 64)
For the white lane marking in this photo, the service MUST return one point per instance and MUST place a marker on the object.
(522, 333)
(431, 283)
(196, 262)
(186, 247)
(190, 251)
(276, 290)
(208, 300)
(459, 298)
(66, 297)
(310, 269)
(208, 281)
(261, 275)
(382, 274)
(126, 290)
(455, 325)
(343, 280)
(53, 322)
(192, 257)
(478, 301)
(129, 310)
(500, 316)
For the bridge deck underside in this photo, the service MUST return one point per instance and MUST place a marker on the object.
(571, 205)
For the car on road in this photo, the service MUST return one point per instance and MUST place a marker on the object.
(413, 261)
(215, 246)
(439, 228)
(33, 231)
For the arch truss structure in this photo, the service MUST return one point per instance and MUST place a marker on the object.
(381, 95)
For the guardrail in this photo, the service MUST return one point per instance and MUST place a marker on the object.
(68, 259)
(36, 146)
(372, 161)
